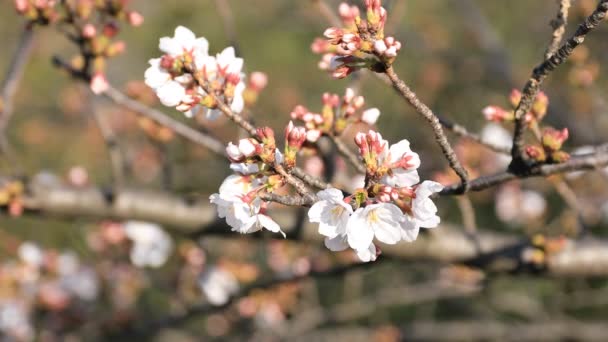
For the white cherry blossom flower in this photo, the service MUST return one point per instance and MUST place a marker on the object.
(370, 116)
(244, 215)
(381, 220)
(228, 63)
(151, 244)
(183, 41)
(403, 163)
(424, 211)
(171, 93)
(331, 212)
(369, 254)
(218, 285)
(31, 254)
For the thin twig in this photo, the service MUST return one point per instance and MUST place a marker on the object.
(559, 27)
(462, 131)
(532, 87)
(211, 143)
(432, 119)
(293, 201)
(348, 154)
(591, 161)
(11, 81)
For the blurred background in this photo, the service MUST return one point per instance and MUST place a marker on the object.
(459, 56)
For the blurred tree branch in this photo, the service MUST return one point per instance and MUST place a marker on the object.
(9, 86)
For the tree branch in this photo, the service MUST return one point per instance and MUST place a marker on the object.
(12, 80)
(432, 119)
(591, 161)
(348, 154)
(559, 27)
(532, 87)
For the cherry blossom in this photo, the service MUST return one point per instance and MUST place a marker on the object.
(402, 163)
(331, 212)
(152, 246)
(183, 42)
(218, 285)
(381, 220)
(424, 211)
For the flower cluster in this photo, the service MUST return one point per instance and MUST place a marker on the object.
(41, 279)
(337, 113)
(360, 43)
(95, 25)
(253, 162)
(179, 76)
(392, 207)
(550, 141)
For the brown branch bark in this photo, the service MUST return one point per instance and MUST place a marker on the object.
(592, 161)
(432, 119)
(532, 87)
(559, 27)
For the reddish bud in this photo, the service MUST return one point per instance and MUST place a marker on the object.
(536, 153)
(541, 103)
(560, 157)
(515, 97)
(22, 6)
(135, 18)
(258, 81)
(110, 30)
(89, 31)
(553, 139)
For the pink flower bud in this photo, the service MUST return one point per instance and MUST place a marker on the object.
(494, 113)
(110, 30)
(298, 112)
(319, 46)
(515, 97)
(258, 81)
(553, 139)
(135, 18)
(21, 6)
(295, 135)
(361, 141)
(334, 35)
(89, 31)
(99, 83)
